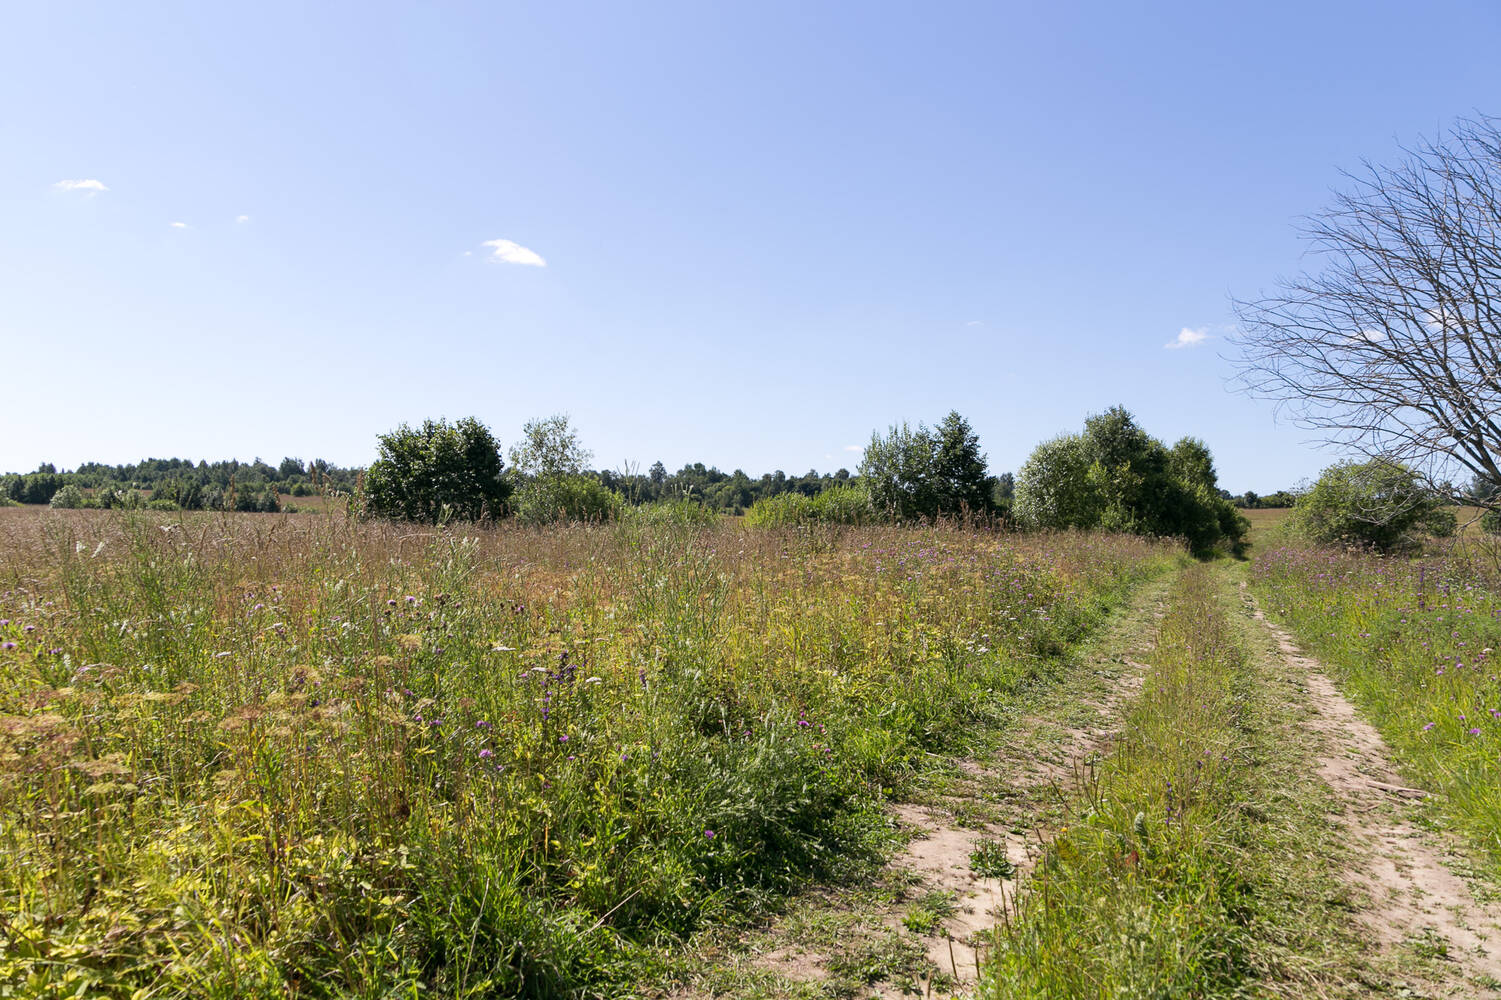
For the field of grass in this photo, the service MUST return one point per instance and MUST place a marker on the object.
(1413, 642)
(261, 756)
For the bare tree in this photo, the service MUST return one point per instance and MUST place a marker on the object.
(1393, 348)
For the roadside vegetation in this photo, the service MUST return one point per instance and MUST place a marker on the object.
(325, 757)
(1413, 642)
(1188, 866)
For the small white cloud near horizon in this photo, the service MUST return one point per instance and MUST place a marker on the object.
(242, 218)
(511, 252)
(974, 322)
(854, 447)
(89, 186)
(178, 225)
(1188, 337)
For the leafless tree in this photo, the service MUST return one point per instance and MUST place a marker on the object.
(1392, 348)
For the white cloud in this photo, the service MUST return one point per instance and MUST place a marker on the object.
(242, 218)
(854, 447)
(1188, 337)
(974, 322)
(89, 186)
(1369, 336)
(509, 252)
(178, 225)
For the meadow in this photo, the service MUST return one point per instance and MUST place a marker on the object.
(313, 757)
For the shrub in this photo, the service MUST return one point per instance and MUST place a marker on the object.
(835, 505)
(437, 471)
(1116, 477)
(1378, 504)
(70, 497)
(550, 499)
(681, 512)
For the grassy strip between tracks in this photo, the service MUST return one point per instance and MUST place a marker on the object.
(1197, 860)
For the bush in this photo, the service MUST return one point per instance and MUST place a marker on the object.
(436, 471)
(550, 499)
(681, 512)
(1376, 504)
(1116, 477)
(835, 505)
(70, 497)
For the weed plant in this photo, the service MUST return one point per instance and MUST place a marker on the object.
(323, 758)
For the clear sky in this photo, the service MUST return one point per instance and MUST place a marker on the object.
(746, 234)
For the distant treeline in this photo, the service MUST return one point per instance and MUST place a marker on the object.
(1251, 500)
(179, 484)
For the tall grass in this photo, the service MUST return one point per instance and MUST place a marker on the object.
(310, 757)
(1414, 643)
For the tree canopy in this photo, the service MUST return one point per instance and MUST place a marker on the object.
(926, 472)
(437, 471)
(1117, 477)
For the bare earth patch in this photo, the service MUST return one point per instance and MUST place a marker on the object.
(1414, 899)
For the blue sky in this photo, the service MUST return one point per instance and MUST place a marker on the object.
(743, 234)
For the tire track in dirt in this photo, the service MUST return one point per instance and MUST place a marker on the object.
(941, 849)
(1414, 897)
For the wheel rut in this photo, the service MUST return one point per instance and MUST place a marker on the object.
(1415, 900)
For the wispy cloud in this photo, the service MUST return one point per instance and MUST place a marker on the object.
(89, 186)
(1188, 337)
(854, 447)
(178, 225)
(510, 252)
(242, 218)
(974, 322)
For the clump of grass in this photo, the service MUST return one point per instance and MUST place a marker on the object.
(329, 758)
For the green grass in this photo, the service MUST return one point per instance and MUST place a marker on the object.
(315, 758)
(1191, 863)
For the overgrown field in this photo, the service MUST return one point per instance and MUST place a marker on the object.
(1414, 642)
(258, 756)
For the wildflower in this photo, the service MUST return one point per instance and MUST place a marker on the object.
(7, 645)
(709, 834)
(482, 724)
(486, 754)
(1474, 732)
(1429, 726)
(563, 738)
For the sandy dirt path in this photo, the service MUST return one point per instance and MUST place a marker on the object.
(1414, 899)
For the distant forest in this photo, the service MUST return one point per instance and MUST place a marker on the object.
(182, 484)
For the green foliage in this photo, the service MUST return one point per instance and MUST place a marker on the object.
(435, 472)
(70, 497)
(549, 447)
(836, 505)
(925, 473)
(1116, 477)
(1377, 503)
(566, 497)
(675, 513)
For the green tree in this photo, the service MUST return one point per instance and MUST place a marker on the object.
(922, 472)
(1117, 477)
(1379, 503)
(549, 447)
(435, 472)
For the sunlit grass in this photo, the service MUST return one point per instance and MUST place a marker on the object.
(309, 757)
